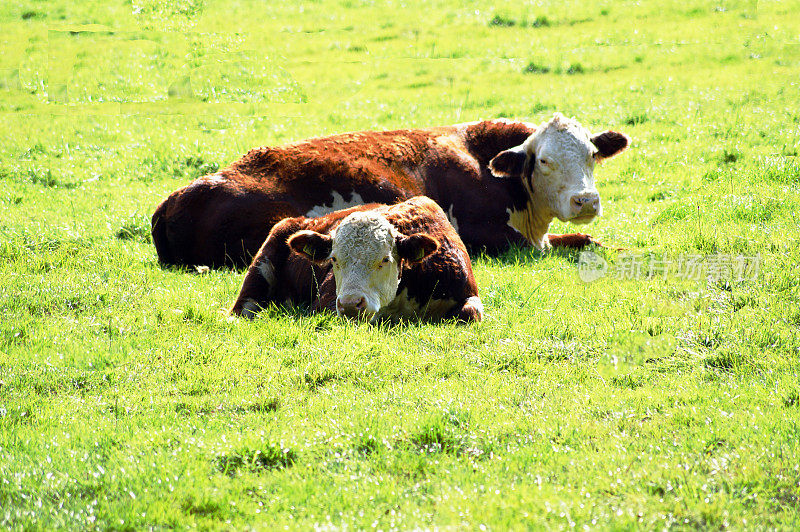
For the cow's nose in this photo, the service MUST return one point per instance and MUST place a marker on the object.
(351, 305)
(585, 203)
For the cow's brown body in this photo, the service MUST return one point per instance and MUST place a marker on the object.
(441, 286)
(224, 218)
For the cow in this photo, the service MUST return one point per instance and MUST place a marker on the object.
(500, 182)
(372, 262)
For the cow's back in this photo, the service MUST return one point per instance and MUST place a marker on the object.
(223, 218)
(359, 162)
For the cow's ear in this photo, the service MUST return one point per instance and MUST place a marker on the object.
(509, 163)
(609, 144)
(312, 245)
(416, 247)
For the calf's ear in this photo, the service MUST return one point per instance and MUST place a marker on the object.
(609, 144)
(312, 245)
(509, 163)
(416, 247)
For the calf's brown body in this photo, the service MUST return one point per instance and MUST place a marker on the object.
(441, 286)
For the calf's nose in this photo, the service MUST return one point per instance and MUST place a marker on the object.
(351, 305)
(585, 203)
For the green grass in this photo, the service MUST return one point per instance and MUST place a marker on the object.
(127, 401)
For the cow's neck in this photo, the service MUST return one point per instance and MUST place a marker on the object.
(531, 223)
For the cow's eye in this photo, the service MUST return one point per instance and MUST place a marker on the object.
(333, 260)
(544, 162)
(386, 259)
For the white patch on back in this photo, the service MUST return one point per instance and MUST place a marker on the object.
(336, 204)
(452, 218)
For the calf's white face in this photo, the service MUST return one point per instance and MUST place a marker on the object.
(556, 166)
(366, 252)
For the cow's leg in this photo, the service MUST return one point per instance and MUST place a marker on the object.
(261, 282)
(258, 288)
(470, 311)
(572, 240)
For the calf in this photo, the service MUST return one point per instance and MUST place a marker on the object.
(372, 262)
(501, 183)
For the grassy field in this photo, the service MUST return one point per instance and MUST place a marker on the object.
(127, 401)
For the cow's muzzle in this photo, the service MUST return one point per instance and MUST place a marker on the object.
(351, 306)
(585, 206)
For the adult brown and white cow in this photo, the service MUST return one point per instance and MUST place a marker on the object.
(403, 261)
(500, 183)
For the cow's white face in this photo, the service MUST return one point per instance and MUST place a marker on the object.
(556, 166)
(366, 252)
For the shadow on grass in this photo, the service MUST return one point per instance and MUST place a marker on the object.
(515, 255)
(199, 270)
(326, 319)
(520, 256)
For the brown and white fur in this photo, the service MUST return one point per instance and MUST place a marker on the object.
(374, 262)
(500, 182)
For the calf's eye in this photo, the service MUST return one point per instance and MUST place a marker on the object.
(386, 259)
